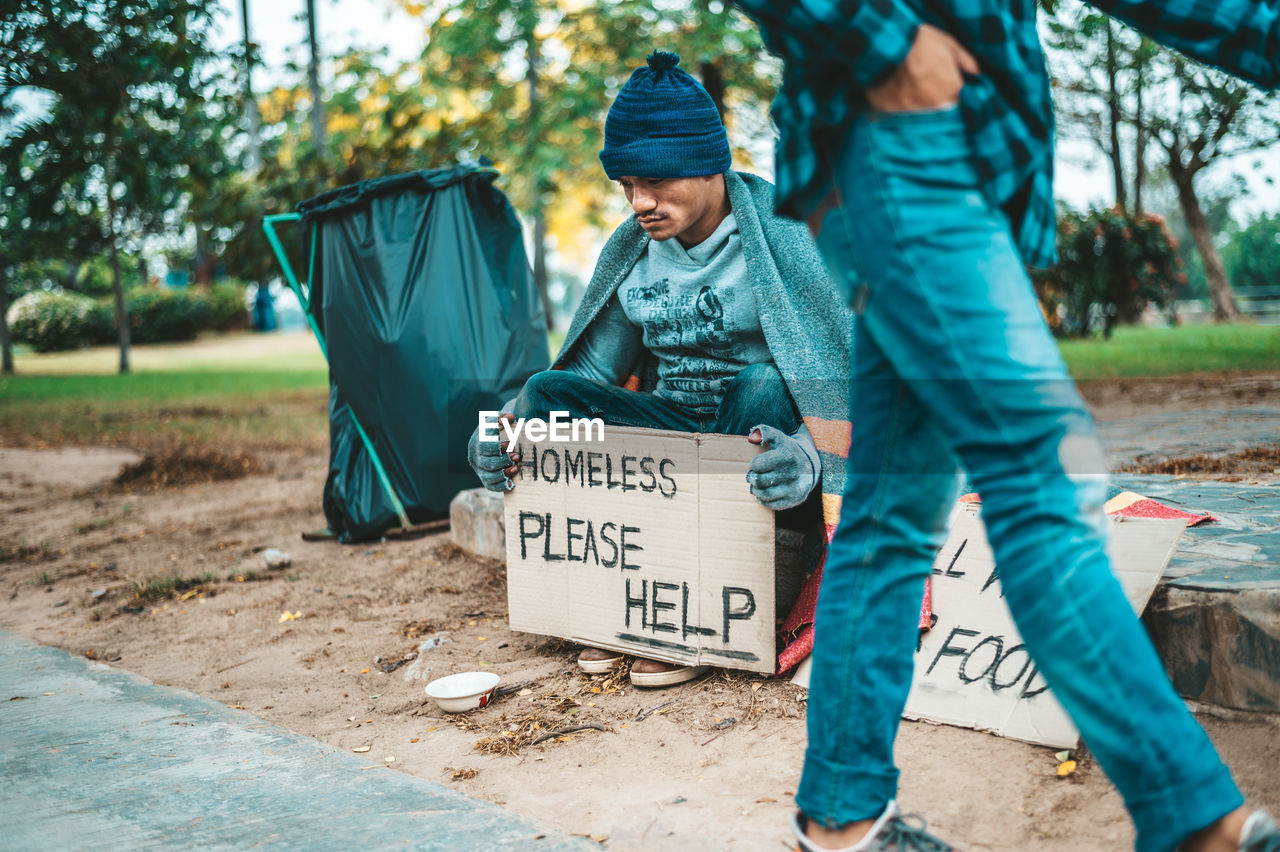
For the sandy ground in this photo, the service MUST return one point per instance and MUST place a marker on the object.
(708, 765)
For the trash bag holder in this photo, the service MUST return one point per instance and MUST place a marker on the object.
(419, 286)
(303, 292)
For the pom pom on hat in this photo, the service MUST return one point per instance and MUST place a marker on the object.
(663, 124)
(663, 60)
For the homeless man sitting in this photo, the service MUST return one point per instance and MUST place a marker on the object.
(718, 311)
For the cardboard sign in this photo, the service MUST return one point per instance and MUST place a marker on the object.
(972, 669)
(648, 542)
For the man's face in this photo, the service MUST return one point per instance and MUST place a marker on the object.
(676, 207)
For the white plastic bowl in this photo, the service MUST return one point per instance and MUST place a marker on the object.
(462, 692)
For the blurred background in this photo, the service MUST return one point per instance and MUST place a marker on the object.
(143, 141)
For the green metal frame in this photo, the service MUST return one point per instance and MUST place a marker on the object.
(304, 297)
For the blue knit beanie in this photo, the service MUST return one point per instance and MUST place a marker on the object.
(663, 124)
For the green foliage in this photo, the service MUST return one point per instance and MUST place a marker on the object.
(142, 136)
(470, 95)
(93, 277)
(52, 321)
(100, 325)
(133, 90)
(226, 305)
(166, 316)
(137, 124)
(90, 276)
(1141, 103)
(1252, 257)
(49, 320)
(1112, 266)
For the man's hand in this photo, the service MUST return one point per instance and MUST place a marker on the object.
(783, 476)
(491, 461)
(930, 77)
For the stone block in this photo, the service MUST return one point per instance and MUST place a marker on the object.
(1215, 618)
(1220, 646)
(477, 525)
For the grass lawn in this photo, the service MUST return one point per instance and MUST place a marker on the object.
(1136, 352)
(241, 390)
(246, 390)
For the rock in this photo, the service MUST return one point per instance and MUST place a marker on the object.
(477, 524)
(1215, 618)
(1219, 646)
(276, 560)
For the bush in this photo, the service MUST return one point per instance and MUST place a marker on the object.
(101, 324)
(1252, 257)
(166, 316)
(1111, 268)
(50, 320)
(227, 309)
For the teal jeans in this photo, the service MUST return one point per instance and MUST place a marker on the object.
(953, 365)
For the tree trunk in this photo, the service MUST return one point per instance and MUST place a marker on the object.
(532, 64)
(252, 119)
(1140, 143)
(540, 264)
(713, 82)
(313, 80)
(1114, 117)
(117, 285)
(6, 346)
(1223, 297)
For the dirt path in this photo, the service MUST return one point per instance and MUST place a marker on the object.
(172, 584)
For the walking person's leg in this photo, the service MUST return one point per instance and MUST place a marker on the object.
(952, 312)
(899, 487)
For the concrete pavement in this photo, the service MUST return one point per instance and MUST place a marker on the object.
(96, 758)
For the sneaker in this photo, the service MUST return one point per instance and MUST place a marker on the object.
(892, 832)
(597, 660)
(1260, 833)
(651, 673)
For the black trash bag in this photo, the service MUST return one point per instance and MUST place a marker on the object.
(422, 290)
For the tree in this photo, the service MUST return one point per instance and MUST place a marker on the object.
(46, 211)
(378, 121)
(1203, 117)
(526, 83)
(1216, 192)
(1252, 256)
(130, 127)
(313, 79)
(253, 120)
(1195, 115)
(1097, 60)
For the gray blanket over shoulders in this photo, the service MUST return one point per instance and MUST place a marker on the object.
(806, 323)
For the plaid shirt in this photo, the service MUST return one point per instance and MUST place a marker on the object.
(836, 49)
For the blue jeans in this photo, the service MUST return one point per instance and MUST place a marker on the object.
(953, 364)
(757, 394)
